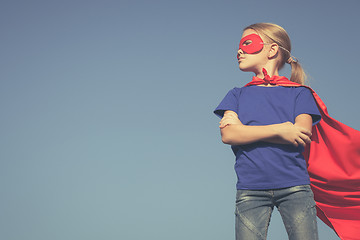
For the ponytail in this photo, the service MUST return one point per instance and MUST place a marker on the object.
(298, 74)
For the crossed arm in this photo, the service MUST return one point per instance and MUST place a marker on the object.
(233, 132)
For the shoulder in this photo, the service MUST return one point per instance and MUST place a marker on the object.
(303, 91)
(235, 92)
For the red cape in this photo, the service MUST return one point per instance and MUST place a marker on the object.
(333, 159)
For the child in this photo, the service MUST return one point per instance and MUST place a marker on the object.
(268, 126)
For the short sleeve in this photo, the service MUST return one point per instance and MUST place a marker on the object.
(305, 104)
(230, 102)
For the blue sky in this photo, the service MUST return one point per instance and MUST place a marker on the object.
(107, 129)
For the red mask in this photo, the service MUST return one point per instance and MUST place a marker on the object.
(251, 44)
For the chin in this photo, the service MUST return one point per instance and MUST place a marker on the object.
(244, 69)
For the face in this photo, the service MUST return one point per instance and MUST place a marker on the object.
(252, 55)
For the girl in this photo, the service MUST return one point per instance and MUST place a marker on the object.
(268, 126)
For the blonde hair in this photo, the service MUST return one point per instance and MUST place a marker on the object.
(278, 35)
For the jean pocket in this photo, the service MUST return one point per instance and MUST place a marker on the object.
(243, 195)
(303, 192)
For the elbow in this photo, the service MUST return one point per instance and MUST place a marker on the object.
(231, 141)
(225, 140)
(226, 137)
(231, 137)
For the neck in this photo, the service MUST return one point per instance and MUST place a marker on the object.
(271, 71)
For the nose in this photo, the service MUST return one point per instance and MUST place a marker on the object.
(239, 52)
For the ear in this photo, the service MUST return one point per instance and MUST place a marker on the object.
(273, 51)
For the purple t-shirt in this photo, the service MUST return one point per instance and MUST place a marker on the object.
(263, 165)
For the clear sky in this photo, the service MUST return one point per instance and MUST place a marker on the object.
(107, 130)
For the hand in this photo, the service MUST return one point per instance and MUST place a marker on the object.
(230, 117)
(293, 134)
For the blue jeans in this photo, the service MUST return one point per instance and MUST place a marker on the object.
(295, 204)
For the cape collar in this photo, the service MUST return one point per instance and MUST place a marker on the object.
(274, 80)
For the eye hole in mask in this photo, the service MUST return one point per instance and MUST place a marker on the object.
(251, 44)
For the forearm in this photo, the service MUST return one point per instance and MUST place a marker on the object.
(281, 133)
(238, 134)
(233, 132)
